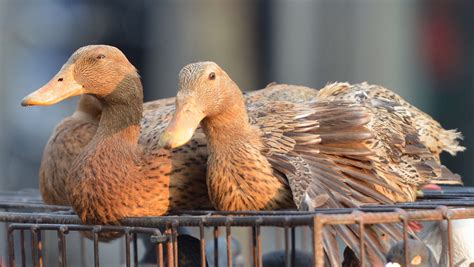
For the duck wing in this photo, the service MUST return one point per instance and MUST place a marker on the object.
(409, 139)
(324, 151)
(431, 133)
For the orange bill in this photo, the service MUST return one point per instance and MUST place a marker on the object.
(60, 87)
(182, 126)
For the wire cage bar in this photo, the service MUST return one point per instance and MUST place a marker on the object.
(28, 223)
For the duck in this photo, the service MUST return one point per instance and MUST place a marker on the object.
(113, 166)
(114, 176)
(419, 254)
(283, 155)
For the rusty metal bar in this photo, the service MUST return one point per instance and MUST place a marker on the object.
(74, 227)
(229, 245)
(447, 215)
(318, 249)
(158, 239)
(62, 246)
(404, 218)
(169, 247)
(203, 245)
(259, 245)
(36, 222)
(360, 220)
(276, 220)
(159, 252)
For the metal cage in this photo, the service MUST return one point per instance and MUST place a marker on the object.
(28, 221)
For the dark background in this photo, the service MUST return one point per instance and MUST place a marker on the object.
(423, 50)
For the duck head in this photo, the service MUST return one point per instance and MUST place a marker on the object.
(205, 91)
(93, 69)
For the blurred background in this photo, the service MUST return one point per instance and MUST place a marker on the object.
(420, 49)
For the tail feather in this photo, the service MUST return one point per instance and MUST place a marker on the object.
(450, 140)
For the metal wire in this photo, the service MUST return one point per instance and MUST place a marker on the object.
(35, 218)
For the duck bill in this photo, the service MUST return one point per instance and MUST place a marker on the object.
(181, 127)
(60, 87)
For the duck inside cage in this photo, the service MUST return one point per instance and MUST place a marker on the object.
(236, 133)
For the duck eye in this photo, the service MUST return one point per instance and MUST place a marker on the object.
(212, 76)
(100, 56)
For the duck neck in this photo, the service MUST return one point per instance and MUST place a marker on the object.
(122, 111)
(88, 109)
(240, 176)
(230, 126)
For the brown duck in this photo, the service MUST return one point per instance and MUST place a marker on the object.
(113, 176)
(279, 155)
(120, 171)
(68, 139)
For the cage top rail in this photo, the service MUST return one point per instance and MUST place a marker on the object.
(288, 220)
(420, 204)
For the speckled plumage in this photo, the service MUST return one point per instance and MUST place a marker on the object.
(69, 137)
(431, 133)
(408, 141)
(313, 154)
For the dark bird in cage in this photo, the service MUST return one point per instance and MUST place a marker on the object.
(350, 258)
(319, 154)
(121, 171)
(189, 253)
(419, 254)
